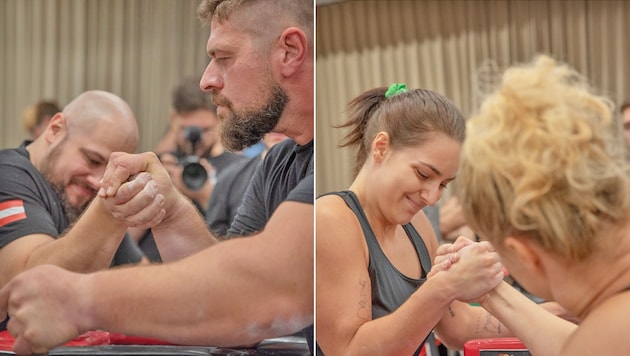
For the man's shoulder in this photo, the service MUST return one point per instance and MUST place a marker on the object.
(13, 155)
(12, 160)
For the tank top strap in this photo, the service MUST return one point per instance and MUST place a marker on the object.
(421, 248)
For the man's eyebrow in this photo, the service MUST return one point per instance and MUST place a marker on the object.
(93, 153)
(218, 48)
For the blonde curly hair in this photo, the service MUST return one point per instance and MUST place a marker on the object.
(539, 161)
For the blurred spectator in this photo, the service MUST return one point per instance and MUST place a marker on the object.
(625, 117)
(193, 135)
(36, 116)
(194, 108)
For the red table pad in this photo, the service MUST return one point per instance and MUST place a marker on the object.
(90, 338)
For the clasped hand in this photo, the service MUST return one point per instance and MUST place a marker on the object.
(136, 189)
(471, 269)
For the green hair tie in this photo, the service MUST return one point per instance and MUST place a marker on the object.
(395, 89)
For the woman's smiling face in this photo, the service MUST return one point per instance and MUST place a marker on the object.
(412, 177)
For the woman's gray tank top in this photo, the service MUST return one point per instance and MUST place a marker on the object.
(390, 288)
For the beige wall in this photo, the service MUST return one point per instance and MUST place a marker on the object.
(442, 45)
(138, 49)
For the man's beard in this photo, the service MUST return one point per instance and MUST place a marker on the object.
(72, 212)
(241, 130)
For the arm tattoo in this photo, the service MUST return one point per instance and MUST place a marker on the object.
(451, 311)
(364, 299)
(492, 325)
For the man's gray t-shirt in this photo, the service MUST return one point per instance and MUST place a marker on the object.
(286, 174)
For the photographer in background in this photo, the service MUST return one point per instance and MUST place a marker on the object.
(194, 108)
(191, 151)
(193, 137)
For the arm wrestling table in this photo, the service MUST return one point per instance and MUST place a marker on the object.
(104, 343)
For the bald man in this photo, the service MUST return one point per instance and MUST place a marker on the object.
(48, 183)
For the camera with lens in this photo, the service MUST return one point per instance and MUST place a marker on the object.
(194, 175)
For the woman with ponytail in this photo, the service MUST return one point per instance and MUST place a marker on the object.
(375, 245)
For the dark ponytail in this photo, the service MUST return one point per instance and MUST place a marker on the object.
(361, 109)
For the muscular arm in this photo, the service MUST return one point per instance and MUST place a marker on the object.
(182, 233)
(90, 243)
(237, 292)
(85, 247)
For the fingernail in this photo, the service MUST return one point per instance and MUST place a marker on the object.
(146, 177)
(162, 215)
(153, 186)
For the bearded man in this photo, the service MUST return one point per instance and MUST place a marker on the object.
(49, 213)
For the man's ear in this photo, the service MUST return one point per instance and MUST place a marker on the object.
(55, 128)
(525, 254)
(293, 46)
(380, 146)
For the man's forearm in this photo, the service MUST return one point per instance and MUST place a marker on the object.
(221, 297)
(237, 292)
(88, 245)
(183, 232)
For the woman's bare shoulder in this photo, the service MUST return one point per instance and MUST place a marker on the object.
(334, 218)
(604, 330)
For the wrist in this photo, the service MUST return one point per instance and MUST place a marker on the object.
(178, 208)
(100, 208)
(495, 296)
(444, 292)
(85, 305)
(180, 211)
